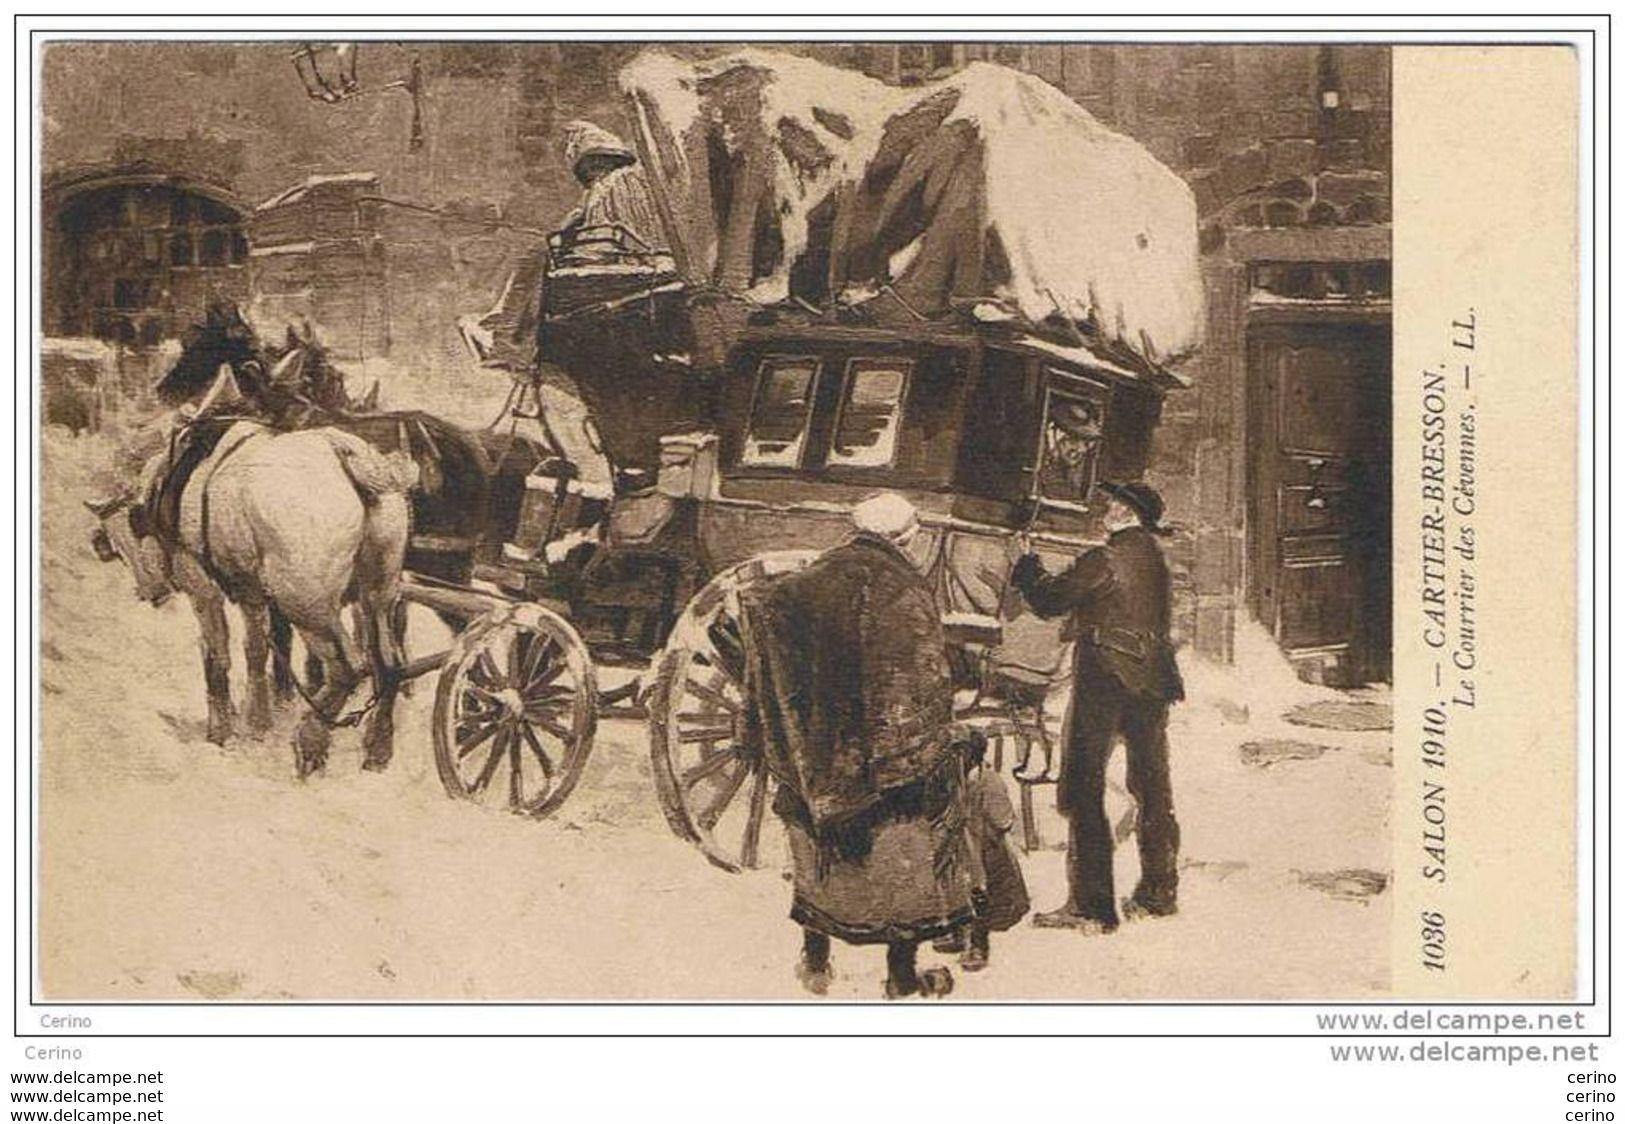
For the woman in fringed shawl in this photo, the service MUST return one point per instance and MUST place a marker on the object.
(850, 702)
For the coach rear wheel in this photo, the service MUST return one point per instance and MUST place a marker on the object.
(714, 790)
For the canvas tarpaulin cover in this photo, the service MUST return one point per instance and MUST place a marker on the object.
(779, 176)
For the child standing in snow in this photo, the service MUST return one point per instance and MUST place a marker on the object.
(1003, 899)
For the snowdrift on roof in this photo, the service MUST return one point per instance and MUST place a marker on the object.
(779, 176)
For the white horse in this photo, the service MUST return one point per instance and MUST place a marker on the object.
(306, 523)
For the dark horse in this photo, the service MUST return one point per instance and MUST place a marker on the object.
(288, 385)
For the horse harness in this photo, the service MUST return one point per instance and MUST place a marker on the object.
(195, 445)
(185, 458)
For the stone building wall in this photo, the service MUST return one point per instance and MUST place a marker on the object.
(1286, 148)
(487, 178)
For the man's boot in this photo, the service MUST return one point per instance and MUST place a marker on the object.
(903, 980)
(1144, 904)
(1067, 918)
(813, 969)
(976, 957)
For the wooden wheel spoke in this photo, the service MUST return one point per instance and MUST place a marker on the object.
(483, 672)
(728, 648)
(718, 804)
(709, 733)
(550, 698)
(708, 766)
(482, 695)
(542, 759)
(564, 734)
(472, 722)
(750, 846)
(542, 713)
(498, 752)
(538, 652)
(713, 694)
(465, 747)
(517, 652)
(518, 655)
(553, 670)
(516, 776)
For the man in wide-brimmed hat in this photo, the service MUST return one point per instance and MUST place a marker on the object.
(615, 190)
(1072, 438)
(615, 194)
(1124, 678)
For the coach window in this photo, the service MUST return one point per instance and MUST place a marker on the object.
(1074, 431)
(780, 413)
(866, 434)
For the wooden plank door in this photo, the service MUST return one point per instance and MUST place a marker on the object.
(1319, 503)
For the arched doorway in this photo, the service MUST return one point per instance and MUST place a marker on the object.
(133, 256)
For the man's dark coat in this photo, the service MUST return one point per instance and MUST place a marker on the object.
(1124, 676)
(1119, 599)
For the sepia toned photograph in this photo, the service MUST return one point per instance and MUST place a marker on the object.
(865, 521)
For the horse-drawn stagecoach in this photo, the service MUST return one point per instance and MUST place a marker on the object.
(864, 290)
(813, 335)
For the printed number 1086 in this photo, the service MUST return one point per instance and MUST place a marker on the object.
(1433, 940)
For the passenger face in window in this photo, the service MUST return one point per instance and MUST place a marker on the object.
(1071, 438)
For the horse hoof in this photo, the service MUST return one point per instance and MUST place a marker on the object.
(375, 764)
(307, 761)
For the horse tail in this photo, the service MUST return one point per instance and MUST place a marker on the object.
(374, 474)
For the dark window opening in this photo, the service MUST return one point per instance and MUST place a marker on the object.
(779, 416)
(130, 292)
(213, 213)
(1322, 281)
(215, 248)
(866, 434)
(1074, 430)
(913, 63)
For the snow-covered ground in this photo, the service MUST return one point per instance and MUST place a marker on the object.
(170, 868)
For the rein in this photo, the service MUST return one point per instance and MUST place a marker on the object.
(284, 662)
(216, 459)
(280, 652)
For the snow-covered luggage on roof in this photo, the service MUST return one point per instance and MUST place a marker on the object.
(781, 177)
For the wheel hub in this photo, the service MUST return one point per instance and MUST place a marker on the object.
(512, 702)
